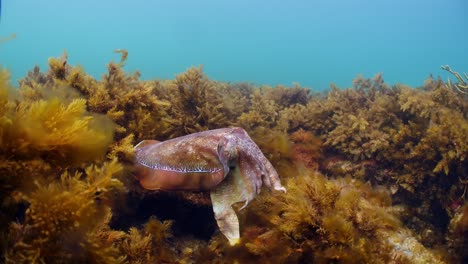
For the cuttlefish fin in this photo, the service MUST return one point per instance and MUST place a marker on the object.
(146, 143)
(230, 191)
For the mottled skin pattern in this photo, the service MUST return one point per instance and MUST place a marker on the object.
(224, 161)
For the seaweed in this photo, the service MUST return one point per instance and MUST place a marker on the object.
(322, 221)
(10, 37)
(41, 136)
(458, 231)
(61, 130)
(61, 216)
(148, 245)
(132, 105)
(337, 215)
(274, 108)
(198, 103)
(461, 86)
(374, 173)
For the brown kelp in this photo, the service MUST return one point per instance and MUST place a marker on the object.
(374, 173)
(46, 145)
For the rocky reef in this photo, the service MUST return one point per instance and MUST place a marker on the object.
(374, 173)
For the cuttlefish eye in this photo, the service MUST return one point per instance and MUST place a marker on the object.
(228, 150)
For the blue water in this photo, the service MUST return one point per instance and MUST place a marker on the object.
(311, 42)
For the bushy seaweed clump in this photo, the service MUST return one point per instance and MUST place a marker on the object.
(322, 221)
(66, 145)
(412, 140)
(57, 186)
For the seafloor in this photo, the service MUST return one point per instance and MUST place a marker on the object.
(374, 173)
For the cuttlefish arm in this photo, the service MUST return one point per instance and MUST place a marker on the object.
(225, 161)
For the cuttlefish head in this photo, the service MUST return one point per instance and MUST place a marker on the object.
(228, 152)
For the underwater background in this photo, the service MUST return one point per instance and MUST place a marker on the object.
(313, 43)
(360, 106)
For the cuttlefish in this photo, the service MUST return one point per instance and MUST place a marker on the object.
(226, 162)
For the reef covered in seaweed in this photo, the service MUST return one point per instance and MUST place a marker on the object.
(374, 173)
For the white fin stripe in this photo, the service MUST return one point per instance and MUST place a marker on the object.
(183, 170)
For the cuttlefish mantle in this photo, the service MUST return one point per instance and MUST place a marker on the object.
(224, 161)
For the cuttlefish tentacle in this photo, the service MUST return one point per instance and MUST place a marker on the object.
(267, 172)
(225, 161)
